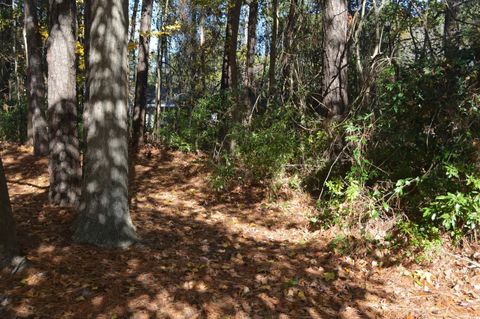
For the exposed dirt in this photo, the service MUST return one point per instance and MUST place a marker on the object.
(241, 255)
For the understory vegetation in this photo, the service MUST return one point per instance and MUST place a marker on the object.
(403, 152)
(408, 149)
(240, 159)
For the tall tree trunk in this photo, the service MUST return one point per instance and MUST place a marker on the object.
(133, 20)
(6, 36)
(142, 75)
(250, 57)
(203, 66)
(229, 80)
(64, 165)
(451, 49)
(86, 47)
(104, 217)
(229, 67)
(334, 81)
(8, 242)
(273, 50)
(161, 47)
(289, 50)
(14, 50)
(35, 81)
(451, 29)
(193, 48)
(87, 24)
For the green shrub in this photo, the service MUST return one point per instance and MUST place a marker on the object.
(456, 212)
(267, 147)
(13, 123)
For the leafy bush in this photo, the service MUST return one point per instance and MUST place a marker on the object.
(13, 123)
(457, 213)
(267, 147)
(197, 128)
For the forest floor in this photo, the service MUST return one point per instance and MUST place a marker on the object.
(238, 255)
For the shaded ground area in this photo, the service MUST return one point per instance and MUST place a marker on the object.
(241, 255)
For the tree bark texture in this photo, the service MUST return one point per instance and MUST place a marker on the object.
(250, 57)
(142, 75)
(289, 50)
(161, 48)
(451, 29)
(104, 217)
(8, 242)
(334, 81)
(6, 37)
(35, 85)
(64, 164)
(133, 21)
(273, 50)
(229, 67)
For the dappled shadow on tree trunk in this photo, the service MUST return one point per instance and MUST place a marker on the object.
(104, 217)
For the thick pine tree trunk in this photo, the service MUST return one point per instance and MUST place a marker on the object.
(334, 82)
(104, 217)
(35, 83)
(64, 165)
(229, 78)
(142, 75)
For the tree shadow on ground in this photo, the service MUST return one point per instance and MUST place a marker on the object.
(193, 262)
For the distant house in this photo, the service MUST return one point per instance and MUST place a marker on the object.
(165, 105)
(168, 104)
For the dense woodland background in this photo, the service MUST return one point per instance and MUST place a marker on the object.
(371, 107)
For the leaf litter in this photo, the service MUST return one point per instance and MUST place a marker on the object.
(209, 255)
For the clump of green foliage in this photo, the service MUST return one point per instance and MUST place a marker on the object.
(13, 122)
(406, 150)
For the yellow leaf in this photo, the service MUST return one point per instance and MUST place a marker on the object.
(301, 295)
(132, 46)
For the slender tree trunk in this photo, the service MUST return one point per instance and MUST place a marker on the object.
(161, 46)
(133, 20)
(131, 54)
(104, 217)
(203, 66)
(6, 36)
(14, 50)
(229, 80)
(193, 56)
(273, 50)
(64, 165)
(229, 67)
(35, 81)
(289, 50)
(142, 75)
(250, 57)
(86, 48)
(451, 29)
(8, 242)
(334, 81)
